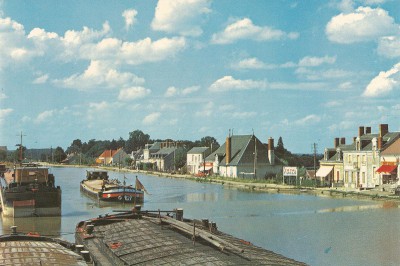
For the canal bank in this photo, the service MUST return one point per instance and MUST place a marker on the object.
(260, 186)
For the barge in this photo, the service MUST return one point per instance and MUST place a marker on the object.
(165, 237)
(34, 249)
(98, 185)
(29, 190)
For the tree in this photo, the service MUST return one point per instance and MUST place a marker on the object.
(3, 155)
(59, 155)
(76, 147)
(137, 139)
(208, 142)
(280, 149)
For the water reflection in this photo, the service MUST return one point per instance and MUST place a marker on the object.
(384, 205)
(200, 197)
(48, 226)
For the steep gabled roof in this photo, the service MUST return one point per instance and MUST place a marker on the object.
(392, 147)
(242, 151)
(108, 153)
(163, 152)
(198, 150)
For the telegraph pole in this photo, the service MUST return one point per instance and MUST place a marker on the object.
(315, 162)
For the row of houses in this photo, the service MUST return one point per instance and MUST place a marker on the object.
(371, 160)
(242, 156)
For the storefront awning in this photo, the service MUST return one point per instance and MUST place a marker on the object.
(386, 169)
(323, 171)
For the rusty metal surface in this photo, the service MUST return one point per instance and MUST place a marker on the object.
(37, 253)
(144, 241)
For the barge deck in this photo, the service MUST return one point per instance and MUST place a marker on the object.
(155, 237)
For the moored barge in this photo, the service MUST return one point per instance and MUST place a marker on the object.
(29, 190)
(98, 185)
(164, 237)
(34, 249)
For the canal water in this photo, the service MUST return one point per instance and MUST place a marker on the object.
(311, 229)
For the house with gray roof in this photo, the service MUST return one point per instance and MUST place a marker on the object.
(358, 165)
(245, 156)
(195, 160)
(331, 170)
(159, 156)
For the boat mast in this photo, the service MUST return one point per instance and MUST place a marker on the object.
(20, 149)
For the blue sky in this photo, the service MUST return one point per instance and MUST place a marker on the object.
(308, 71)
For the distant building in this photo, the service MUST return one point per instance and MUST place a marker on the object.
(160, 156)
(245, 156)
(112, 157)
(195, 160)
(370, 161)
(331, 169)
(389, 170)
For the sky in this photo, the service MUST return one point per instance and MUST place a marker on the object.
(306, 71)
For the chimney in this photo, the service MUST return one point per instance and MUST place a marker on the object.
(368, 130)
(360, 131)
(228, 150)
(336, 142)
(271, 151)
(342, 141)
(383, 129)
(380, 142)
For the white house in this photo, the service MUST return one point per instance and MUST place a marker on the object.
(245, 156)
(195, 160)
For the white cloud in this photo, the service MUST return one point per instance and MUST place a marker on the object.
(206, 111)
(129, 16)
(100, 74)
(133, 93)
(13, 43)
(243, 115)
(249, 63)
(183, 17)
(311, 74)
(151, 118)
(172, 91)
(94, 109)
(389, 46)
(346, 85)
(4, 113)
(364, 24)
(3, 96)
(384, 83)
(148, 51)
(310, 119)
(133, 53)
(44, 116)
(244, 29)
(307, 86)
(333, 104)
(311, 61)
(346, 6)
(87, 35)
(228, 83)
(41, 80)
(190, 90)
